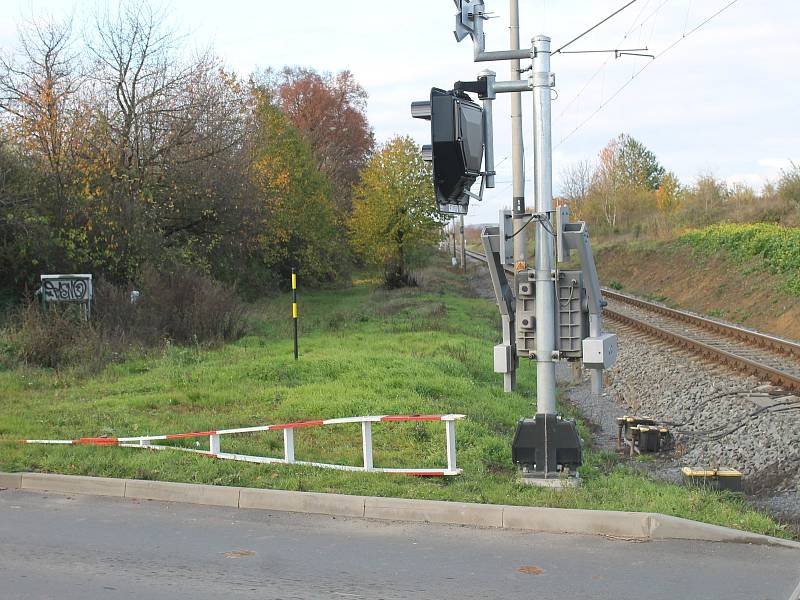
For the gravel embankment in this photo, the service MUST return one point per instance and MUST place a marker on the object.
(711, 409)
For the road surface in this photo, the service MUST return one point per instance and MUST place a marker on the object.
(81, 548)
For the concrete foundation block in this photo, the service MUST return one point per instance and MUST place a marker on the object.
(431, 511)
(339, 505)
(73, 484)
(210, 495)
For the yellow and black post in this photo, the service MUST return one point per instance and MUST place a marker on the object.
(294, 310)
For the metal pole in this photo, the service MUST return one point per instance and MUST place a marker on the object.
(463, 247)
(517, 144)
(545, 283)
(294, 311)
(453, 238)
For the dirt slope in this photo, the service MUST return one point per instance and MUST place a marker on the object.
(670, 273)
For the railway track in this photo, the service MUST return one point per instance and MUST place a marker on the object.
(772, 358)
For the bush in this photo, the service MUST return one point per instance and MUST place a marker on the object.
(56, 338)
(789, 185)
(396, 278)
(185, 306)
(778, 247)
(181, 306)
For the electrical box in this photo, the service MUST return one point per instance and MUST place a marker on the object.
(601, 351)
(573, 314)
(503, 359)
(547, 444)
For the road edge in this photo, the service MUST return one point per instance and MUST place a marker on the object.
(615, 524)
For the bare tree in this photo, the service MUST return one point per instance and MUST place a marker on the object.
(37, 90)
(576, 182)
(139, 68)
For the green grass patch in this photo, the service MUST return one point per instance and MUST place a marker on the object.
(777, 248)
(363, 351)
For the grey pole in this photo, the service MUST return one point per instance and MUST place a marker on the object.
(517, 145)
(545, 283)
(463, 247)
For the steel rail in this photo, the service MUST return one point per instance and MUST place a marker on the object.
(787, 380)
(747, 335)
(748, 365)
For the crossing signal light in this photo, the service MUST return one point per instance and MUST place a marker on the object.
(456, 149)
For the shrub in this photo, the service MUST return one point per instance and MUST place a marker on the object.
(789, 185)
(56, 338)
(778, 247)
(181, 306)
(185, 306)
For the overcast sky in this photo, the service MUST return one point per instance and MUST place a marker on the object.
(724, 100)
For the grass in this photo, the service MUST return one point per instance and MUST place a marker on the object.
(363, 351)
(777, 248)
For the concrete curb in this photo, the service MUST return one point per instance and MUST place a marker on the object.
(626, 525)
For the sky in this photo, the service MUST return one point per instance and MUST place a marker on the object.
(723, 99)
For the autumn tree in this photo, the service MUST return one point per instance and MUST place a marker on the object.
(330, 110)
(122, 149)
(297, 223)
(394, 222)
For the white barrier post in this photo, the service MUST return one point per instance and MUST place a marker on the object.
(213, 444)
(450, 432)
(288, 445)
(366, 444)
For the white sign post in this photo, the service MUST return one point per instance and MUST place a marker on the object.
(76, 289)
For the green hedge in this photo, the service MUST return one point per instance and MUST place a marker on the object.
(778, 247)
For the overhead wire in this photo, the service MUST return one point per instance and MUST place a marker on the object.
(640, 71)
(601, 69)
(595, 26)
(569, 104)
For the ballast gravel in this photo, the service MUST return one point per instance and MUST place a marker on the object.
(718, 416)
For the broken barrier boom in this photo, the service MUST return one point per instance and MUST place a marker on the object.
(214, 443)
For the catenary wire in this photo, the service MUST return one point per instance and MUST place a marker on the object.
(640, 71)
(596, 25)
(636, 23)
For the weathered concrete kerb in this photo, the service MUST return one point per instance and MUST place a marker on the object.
(625, 525)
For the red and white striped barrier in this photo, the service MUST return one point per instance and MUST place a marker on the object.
(288, 443)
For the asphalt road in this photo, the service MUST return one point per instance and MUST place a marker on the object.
(88, 547)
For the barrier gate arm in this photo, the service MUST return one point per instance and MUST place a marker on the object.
(214, 443)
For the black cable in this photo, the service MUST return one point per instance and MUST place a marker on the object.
(518, 231)
(548, 227)
(611, 16)
(788, 406)
(697, 408)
